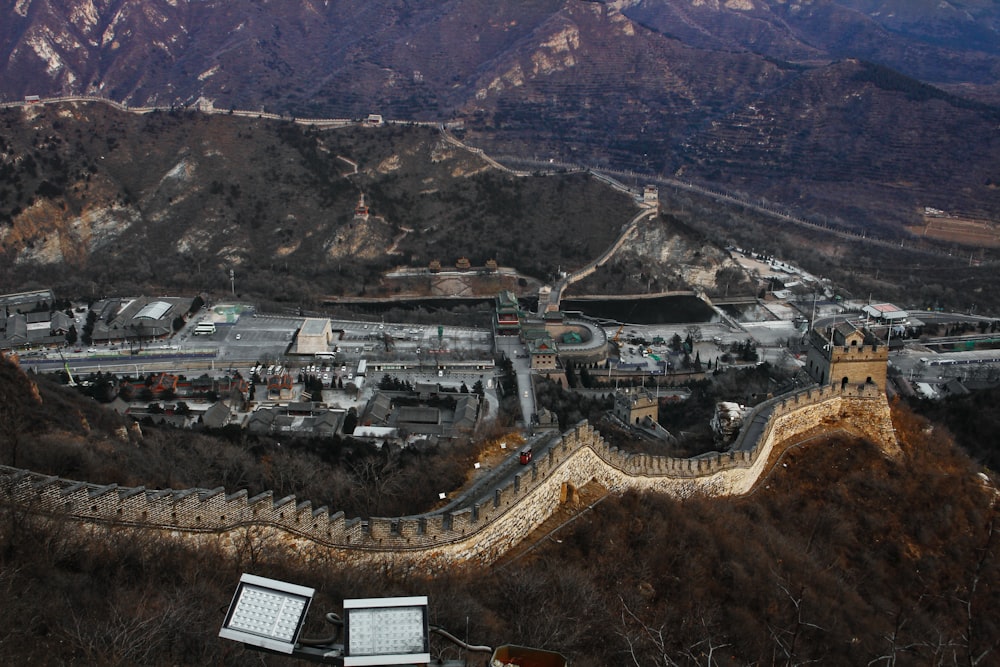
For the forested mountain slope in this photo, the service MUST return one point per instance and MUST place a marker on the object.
(715, 91)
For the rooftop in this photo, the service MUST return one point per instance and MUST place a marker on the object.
(19, 298)
(314, 327)
(885, 311)
(153, 310)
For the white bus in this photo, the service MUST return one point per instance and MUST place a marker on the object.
(362, 368)
(204, 329)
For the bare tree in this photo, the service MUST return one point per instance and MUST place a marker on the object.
(134, 631)
(637, 632)
(646, 642)
(704, 648)
(895, 646)
(17, 395)
(786, 639)
(977, 649)
(378, 477)
(252, 543)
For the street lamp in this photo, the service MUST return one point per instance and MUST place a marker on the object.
(386, 631)
(267, 613)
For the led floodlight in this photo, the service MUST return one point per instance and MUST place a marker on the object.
(267, 613)
(386, 631)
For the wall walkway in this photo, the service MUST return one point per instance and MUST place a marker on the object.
(479, 534)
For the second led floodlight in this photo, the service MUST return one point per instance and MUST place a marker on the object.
(386, 631)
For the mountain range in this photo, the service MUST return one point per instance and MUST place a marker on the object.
(863, 111)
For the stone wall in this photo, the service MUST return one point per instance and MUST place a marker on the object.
(858, 364)
(481, 533)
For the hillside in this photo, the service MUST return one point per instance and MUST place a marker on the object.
(343, 55)
(947, 43)
(94, 200)
(854, 141)
(840, 556)
(48, 427)
(767, 95)
(275, 202)
(98, 200)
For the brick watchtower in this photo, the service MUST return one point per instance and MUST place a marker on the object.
(846, 354)
(361, 210)
(633, 407)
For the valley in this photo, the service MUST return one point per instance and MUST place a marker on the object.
(644, 332)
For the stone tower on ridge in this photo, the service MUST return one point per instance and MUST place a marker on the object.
(361, 210)
(846, 354)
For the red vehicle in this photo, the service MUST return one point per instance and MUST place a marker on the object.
(525, 456)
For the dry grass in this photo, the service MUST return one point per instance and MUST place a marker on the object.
(964, 231)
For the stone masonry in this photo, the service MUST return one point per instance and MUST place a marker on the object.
(840, 354)
(479, 534)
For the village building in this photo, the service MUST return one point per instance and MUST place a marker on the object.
(428, 410)
(543, 352)
(138, 320)
(26, 302)
(303, 418)
(280, 387)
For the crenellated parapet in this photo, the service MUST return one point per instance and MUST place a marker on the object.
(845, 354)
(487, 526)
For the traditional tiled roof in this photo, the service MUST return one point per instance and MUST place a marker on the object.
(216, 416)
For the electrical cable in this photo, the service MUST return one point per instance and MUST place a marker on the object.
(333, 619)
(455, 640)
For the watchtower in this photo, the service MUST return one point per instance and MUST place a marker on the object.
(847, 354)
(651, 196)
(632, 407)
(361, 210)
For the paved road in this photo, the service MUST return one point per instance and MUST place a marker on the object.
(518, 355)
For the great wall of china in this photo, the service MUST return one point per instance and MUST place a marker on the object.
(479, 534)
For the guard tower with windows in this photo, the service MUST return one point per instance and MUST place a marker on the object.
(846, 354)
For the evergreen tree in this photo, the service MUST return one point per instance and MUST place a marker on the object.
(350, 421)
(571, 378)
(88, 327)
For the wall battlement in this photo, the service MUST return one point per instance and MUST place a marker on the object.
(487, 528)
(861, 352)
